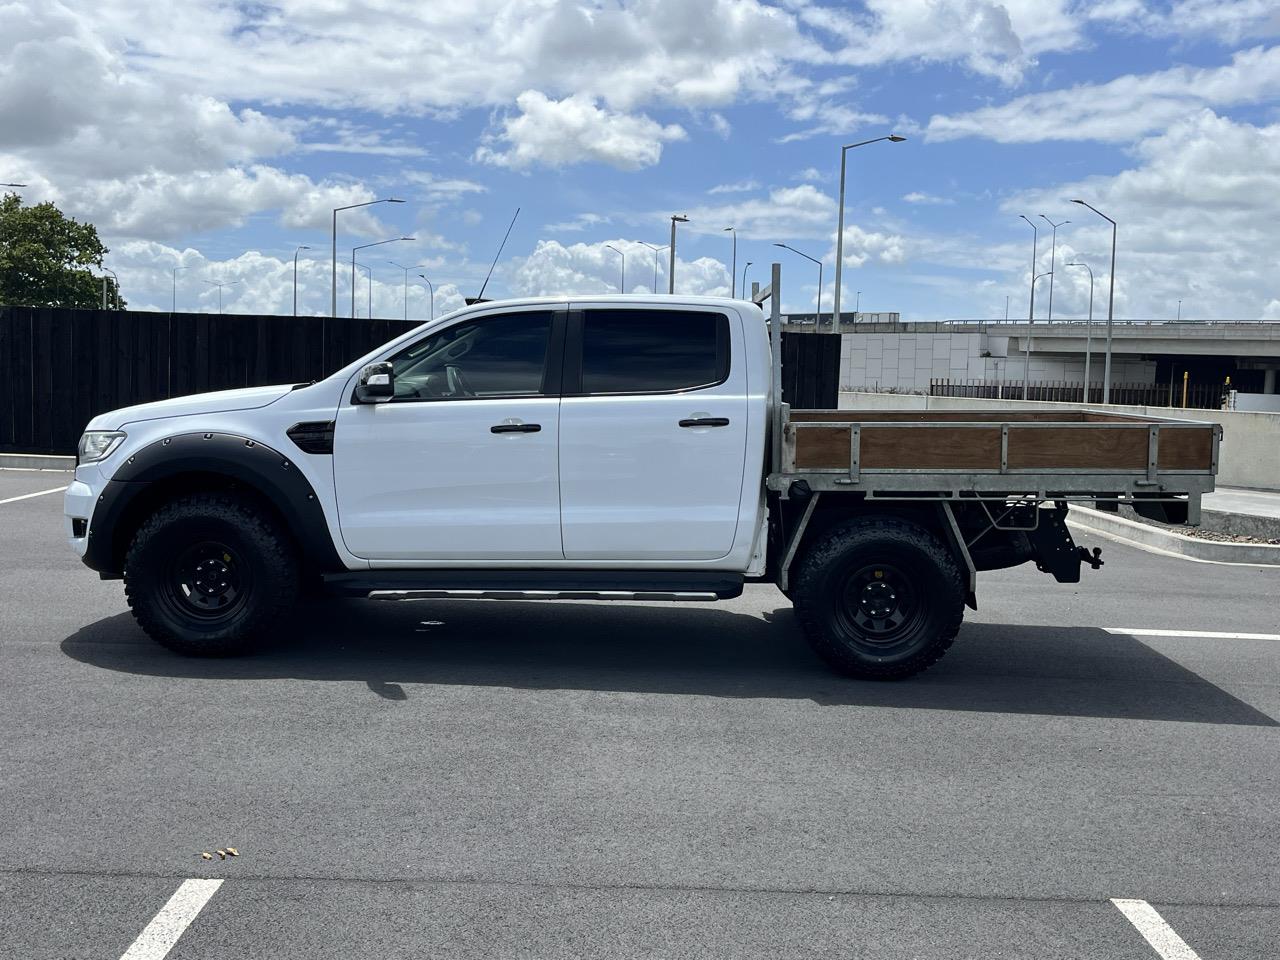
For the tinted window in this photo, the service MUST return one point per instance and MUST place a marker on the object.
(642, 351)
(486, 357)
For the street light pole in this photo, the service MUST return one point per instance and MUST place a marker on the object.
(1031, 342)
(892, 138)
(433, 294)
(333, 239)
(733, 270)
(744, 279)
(369, 272)
(1088, 330)
(1035, 237)
(671, 269)
(1111, 301)
(364, 246)
(295, 277)
(655, 261)
(115, 294)
(622, 284)
(1179, 311)
(818, 316)
(220, 284)
(1053, 255)
(406, 282)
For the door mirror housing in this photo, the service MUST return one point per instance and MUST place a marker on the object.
(376, 384)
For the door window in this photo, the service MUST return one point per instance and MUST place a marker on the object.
(653, 351)
(496, 356)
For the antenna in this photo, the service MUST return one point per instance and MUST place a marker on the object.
(480, 295)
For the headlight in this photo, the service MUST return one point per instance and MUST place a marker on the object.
(97, 445)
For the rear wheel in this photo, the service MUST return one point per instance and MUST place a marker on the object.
(879, 599)
(210, 575)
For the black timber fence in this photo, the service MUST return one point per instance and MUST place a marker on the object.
(1200, 396)
(61, 367)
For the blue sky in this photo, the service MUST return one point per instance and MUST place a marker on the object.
(217, 137)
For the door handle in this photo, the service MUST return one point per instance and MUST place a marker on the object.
(705, 422)
(515, 428)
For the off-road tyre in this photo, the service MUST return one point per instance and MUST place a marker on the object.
(210, 575)
(879, 598)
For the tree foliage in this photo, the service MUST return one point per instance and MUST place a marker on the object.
(47, 259)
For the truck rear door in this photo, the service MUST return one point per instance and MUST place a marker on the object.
(653, 432)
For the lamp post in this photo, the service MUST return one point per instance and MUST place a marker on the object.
(1179, 311)
(622, 283)
(333, 291)
(369, 276)
(365, 246)
(1111, 302)
(671, 269)
(1035, 237)
(406, 282)
(655, 250)
(432, 288)
(733, 269)
(174, 308)
(857, 309)
(115, 294)
(892, 138)
(220, 284)
(295, 277)
(1088, 330)
(1031, 340)
(818, 316)
(1053, 254)
(744, 279)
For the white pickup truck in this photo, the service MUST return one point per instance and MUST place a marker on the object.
(620, 447)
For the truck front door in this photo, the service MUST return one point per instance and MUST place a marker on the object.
(653, 432)
(461, 464)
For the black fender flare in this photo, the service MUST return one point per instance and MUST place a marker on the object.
(255, 465)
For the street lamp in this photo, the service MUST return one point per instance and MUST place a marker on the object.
(1179, 311)
(12, 184)
(1035, 237)
(220, 284)
(364, 246)
(333, 292)
(1111, 301)
(432, 288)
(671, 270)
(406, 282)
(733, 270)
(1031, 340)
(744, 279)
(115, 297)
(655, 260)
(818, 317)
(622, 284)
(369, 275)
(892, 138)
(174, 308)
(295, 277)
(1053, 254)
(1088, 330)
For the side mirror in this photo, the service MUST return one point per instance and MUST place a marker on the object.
(376, 384)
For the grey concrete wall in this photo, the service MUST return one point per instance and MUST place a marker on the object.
(1249, 457)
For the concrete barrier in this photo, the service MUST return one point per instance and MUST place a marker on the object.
(1250, 454)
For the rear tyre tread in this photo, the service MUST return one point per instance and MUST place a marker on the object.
(270, 551)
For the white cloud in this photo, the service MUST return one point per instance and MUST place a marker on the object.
(1228, 21)
(741, 186)
(786, 213)
(553, 269)
(927, 199)
(581, 222)
(556, 133)
(1123, 109)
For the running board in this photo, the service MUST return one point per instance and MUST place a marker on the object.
(538, 584)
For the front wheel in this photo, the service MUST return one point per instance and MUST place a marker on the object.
(210, 575)
(879, 599)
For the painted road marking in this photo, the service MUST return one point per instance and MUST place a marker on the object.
(174, 917)
(1207, 634)
(28, 496)
(1159, 934)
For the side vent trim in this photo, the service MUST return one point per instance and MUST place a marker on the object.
(314, 436)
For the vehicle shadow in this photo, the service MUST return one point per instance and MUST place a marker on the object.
(685, 649)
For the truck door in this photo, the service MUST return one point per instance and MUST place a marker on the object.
(461, 464)
(653, 431)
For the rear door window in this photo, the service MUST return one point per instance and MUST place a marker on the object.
(653, 351)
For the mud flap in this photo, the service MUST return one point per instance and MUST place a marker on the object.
(1053, 549)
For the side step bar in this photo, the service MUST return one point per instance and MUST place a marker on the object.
(538, 584)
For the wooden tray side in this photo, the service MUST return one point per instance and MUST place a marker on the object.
(1186, 448)
(1066, 448)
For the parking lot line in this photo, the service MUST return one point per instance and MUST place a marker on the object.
(1206, 634)
(1153, 928)
(39, 493)
(167, 926)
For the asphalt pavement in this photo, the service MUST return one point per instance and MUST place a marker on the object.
(566, 779)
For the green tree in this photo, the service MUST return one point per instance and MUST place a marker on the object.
(46, 259)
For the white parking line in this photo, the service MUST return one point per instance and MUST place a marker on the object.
(40, 493)
(174, 917)
(1159, 934)
(1207, 634)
